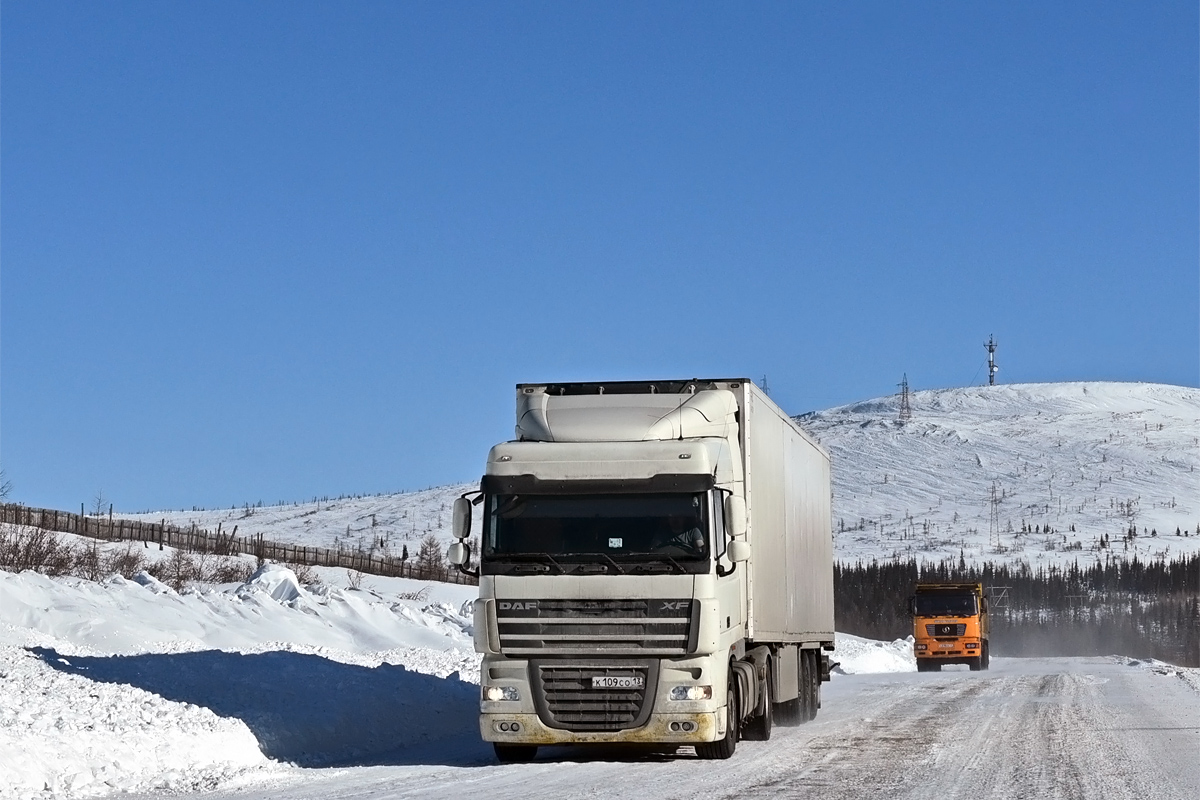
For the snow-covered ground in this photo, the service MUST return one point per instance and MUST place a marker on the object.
(128, 686)
(1080, 459)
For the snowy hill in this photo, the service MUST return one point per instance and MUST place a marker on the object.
(1097, 456)
(1080, 459)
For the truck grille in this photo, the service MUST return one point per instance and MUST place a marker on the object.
(566, 700)
(946, 630)
(644, 626)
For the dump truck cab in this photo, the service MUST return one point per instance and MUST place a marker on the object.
(950, 625)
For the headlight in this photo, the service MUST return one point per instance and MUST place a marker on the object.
(494, 693)
(691, 693)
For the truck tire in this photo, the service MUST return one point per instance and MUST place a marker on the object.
(514, 753)
(724, 748)
(817, 669)
(926, 665)
(812, 684)
(987, 655)
(758, 728)
(810, 681)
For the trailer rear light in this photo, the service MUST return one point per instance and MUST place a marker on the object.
(495, 693)
(691, 693)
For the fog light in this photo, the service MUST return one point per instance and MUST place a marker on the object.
(688, 726)
(972, 646)
(675, 726)
(691, 693)
(502, 726)
(921, 647)
(495, 693)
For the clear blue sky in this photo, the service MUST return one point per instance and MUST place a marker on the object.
(271, 250)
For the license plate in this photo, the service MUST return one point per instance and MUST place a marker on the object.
(613, 682)
(946, 646)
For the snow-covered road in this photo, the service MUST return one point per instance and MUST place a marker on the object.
(1044, 728)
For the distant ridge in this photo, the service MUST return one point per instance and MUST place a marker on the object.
(1098, 456)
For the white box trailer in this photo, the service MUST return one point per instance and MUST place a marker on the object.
(656, 566)
(789, 519)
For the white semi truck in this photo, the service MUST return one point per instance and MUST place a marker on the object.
(656, 566)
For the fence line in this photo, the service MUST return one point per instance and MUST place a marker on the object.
(201, 540)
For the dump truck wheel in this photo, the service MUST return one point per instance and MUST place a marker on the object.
(987, 655)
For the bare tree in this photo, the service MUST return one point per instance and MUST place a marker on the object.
(5, 485)
(99, 502)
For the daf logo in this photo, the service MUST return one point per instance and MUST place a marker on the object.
(528, 605)
(673, 605)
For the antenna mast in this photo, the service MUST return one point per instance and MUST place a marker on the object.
(905, 406)
(992, 368)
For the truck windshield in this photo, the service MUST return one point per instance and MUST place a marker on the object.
(668, 528)
(945, 605)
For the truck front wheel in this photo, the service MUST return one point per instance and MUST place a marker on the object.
(724, 748)
(514, 753)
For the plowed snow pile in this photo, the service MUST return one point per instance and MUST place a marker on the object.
(129, 686)
(856, 655)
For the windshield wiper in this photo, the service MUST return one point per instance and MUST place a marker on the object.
(674, 563)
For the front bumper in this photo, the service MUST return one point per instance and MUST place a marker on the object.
(957, 653)
(659, 729)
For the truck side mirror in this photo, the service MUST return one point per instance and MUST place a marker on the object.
(739, 550)
(461, 524)
(912, 606)
(735, 517)
(457, 554)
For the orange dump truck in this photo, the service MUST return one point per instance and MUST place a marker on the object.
(950, 625)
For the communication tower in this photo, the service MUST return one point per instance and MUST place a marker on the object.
(905, 406)
(992, 368)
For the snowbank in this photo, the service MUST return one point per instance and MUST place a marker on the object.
(1189, 675)
(856, 655)
(128, 686)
